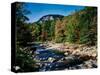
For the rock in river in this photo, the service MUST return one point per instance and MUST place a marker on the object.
(50, 59)
(66, 53)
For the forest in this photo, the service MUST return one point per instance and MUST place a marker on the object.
(56, 42)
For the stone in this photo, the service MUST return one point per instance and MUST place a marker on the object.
(76, 53)
(66, 53)
(62, 59)
(69, 58)
(50, 59)
(67, 47)
(94, 55)
(84, 57)
(88, 64)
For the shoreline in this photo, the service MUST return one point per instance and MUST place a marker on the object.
(74, 49)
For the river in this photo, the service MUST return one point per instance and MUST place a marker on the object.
(49, 60)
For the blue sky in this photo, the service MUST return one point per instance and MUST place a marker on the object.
(38, 10)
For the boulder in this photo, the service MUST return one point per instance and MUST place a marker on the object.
(50, 59)
(66, 54)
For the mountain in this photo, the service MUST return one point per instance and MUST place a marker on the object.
(50, 17)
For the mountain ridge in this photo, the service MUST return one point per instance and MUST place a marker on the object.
(50, 17)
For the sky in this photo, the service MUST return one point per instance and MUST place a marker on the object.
(38, 10)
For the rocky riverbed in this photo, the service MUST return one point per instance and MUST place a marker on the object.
(51, 56)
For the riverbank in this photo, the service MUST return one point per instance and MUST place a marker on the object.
(50, 56)
(74, 49)
(86, 53)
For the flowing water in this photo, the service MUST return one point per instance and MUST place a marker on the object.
(48, 60)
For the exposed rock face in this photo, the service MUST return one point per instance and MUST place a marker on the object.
(50, 17)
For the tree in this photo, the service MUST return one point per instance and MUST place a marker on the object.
(22, 30)
(23, 58)
(60, 30)
(88, 26)
(72, 28)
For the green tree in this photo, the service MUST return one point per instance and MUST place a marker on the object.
(88, 25)
(22, 30)
(23, 58)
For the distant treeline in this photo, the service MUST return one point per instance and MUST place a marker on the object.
(79, 27)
